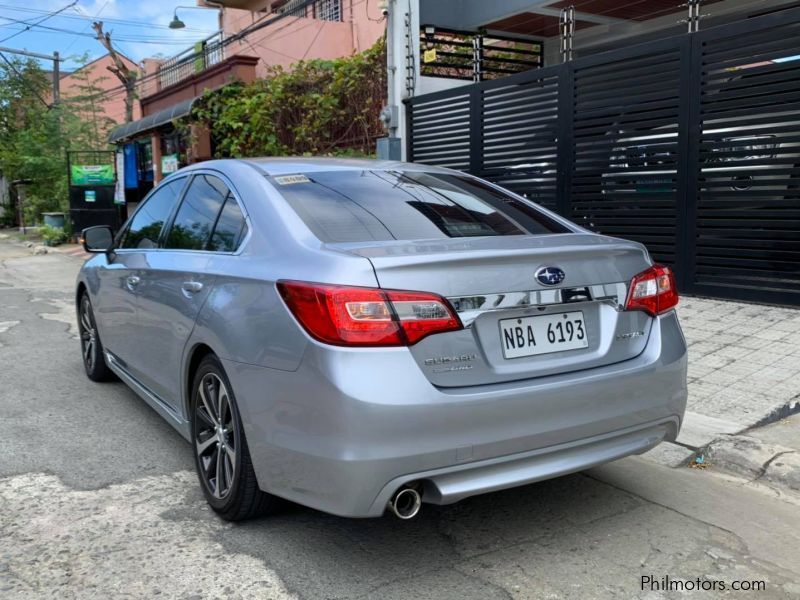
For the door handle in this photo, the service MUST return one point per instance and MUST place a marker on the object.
(132, 282)
(191, 287)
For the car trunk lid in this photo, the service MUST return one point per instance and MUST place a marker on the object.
(492, 284)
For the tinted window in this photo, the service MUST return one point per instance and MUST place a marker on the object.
(198, 213)
(229, 229)
(354, 206)
(146, 225)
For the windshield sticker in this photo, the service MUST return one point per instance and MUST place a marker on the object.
(292, 179)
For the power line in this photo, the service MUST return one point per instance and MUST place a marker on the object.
(273, 38)
(124, 38)
(263, 22)
(81, 17)
(85, 27)
(24, 80)
(258, 25)
(42, 20)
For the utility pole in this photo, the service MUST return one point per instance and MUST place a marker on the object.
(56, 68)
(120, 69)
(56, 78)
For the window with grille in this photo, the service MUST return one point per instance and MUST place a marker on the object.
(328, 10)
(294, 8)
(324, 10)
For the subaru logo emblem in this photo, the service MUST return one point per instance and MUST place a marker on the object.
(550, 275)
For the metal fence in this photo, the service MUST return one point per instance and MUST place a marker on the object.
(202, 55)
(690, 145)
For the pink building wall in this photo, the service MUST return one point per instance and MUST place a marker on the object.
(148, 82)
(297, 38)
(96, 72)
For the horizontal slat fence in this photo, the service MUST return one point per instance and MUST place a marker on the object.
(690, 145)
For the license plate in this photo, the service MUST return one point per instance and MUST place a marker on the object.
(529, 336)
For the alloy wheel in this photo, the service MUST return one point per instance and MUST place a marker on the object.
(215, 435)
(88, 333)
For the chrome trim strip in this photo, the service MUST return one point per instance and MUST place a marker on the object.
(470, 308)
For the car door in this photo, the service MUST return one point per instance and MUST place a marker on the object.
(116, 301)
(175, 283)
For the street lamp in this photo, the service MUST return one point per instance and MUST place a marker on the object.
(176, 23)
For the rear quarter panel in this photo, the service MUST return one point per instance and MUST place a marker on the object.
(244, 319)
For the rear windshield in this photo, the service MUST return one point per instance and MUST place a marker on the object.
(360, 206)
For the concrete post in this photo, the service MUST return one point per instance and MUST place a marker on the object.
(402, 39)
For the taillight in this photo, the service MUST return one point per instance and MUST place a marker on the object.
(358, 316)
(653, 291)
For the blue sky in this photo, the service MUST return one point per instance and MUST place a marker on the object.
(138, 27)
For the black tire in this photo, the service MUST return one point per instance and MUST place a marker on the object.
(230, 486)
(94, 360)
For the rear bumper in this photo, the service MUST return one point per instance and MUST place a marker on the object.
(346, 429)
(451, 484)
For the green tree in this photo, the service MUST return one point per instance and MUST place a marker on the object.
(30, 134)
(319, 107)
(35, 134)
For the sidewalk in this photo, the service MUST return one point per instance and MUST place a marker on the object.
(744, 374)
(744, 366)
(769, 454)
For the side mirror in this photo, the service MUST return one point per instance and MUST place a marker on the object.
(99, 238)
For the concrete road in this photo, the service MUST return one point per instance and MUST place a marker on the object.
(98, 499)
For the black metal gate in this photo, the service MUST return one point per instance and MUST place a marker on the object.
(690, 145)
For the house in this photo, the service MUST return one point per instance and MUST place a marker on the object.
(254, 36)
(320, 29)
(110, 102)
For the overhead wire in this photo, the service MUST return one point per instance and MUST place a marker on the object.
(273, 38)
(25, 82)
(82, 17)
(241, 37)
(49, 15)
(123, 38)
(72, 43)
(257, 25)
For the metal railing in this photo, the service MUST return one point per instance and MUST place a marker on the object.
(475, 56)
(201, 56)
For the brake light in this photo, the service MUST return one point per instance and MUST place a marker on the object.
(653, 291)
(359, 316)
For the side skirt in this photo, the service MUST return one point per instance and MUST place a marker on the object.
(162, 408)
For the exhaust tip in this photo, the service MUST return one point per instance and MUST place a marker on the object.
(406, 503)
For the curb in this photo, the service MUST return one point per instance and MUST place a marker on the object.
(755, 460)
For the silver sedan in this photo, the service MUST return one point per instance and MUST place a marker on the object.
(358, 336)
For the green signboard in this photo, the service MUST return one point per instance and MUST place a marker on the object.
(92, 174)
(89, 195)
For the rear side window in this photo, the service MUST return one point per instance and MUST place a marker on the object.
(355, 206)
(148, 221)
(230, 227)
(197, 214)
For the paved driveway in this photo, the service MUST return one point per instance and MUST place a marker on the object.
(744, 359)
(98, 500)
